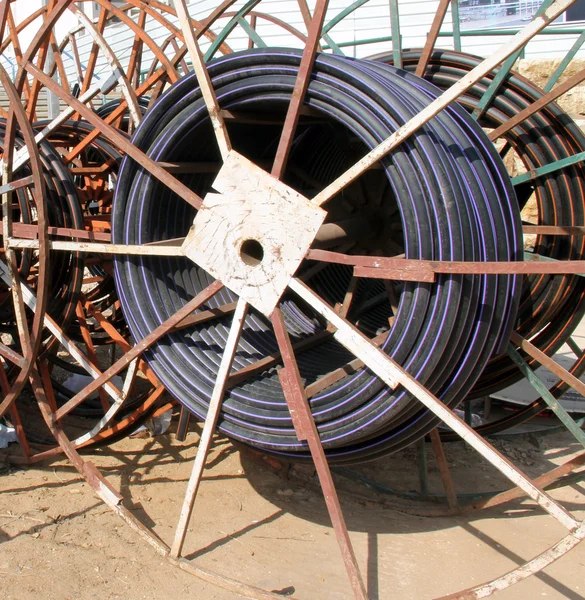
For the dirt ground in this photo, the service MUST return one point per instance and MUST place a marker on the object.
(270, 528)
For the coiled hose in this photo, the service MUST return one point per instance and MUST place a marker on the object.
(444, 195)
(551, 306)
(66, 269)
(95, 203)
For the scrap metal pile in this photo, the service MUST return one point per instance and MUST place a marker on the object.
(253, 231)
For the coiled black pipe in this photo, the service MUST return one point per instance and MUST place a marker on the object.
(447, 189)
(551, 306)
(63, 210)
(102, 295)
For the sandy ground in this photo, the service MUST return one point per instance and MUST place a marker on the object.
(270, 528)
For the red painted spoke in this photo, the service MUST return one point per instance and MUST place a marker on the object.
(301, 85)
(141, 346)
(306, 430)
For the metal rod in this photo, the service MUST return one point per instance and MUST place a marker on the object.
(396, 36)
(306, 430)
(444, 471)
(98, 248)
(522, 572)
(564, 63)
(213, 411)
(534, 107)
(423, 61)
(550, 168)
(207, 91)
(140, 347)
(300, 88)
(393, 374)
(503, 72)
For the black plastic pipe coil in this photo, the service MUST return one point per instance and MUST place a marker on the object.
(102, 295)
(445, 187)
(62, 210)
(551, 306)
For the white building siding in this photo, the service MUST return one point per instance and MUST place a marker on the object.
(372, 20)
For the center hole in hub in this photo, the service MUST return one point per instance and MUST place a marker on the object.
(252, 252)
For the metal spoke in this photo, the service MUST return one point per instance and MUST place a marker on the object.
(306, 430)
(545, 394)
(432, 36)
(300, 88)
(100, 248)
(436, 106)
(213, 410)
(393, 375)
(204, 80)
(533, 108)
(141, 346)
(403, 269)
(351, 367)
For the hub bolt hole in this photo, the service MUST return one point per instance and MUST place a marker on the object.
(252, 252)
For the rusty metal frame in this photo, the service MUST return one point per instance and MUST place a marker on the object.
(436, 106)
(365, 350)
(30, 337)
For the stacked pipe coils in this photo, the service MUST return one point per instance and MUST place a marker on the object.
(442, 195)
(63, 210)
(551, 306)
(94, 191)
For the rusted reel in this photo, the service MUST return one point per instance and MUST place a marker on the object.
(247, 251)
(22, 337)
(79, 170)
(552, 203)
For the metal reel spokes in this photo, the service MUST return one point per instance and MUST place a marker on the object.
(552, 202)
(251, 229)
(79, 167)
(274, 254)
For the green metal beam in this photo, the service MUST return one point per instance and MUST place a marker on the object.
(575, 348)
(386, 38)
(396, 36)
(565, 62)
(252, 33)
(344, 13)
(456, 25)
(550, 168)
(551, 401)
(331, 44)
(502, 73)
(231, 25)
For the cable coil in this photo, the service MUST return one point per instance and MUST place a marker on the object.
(442, 195)
(551, 306)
